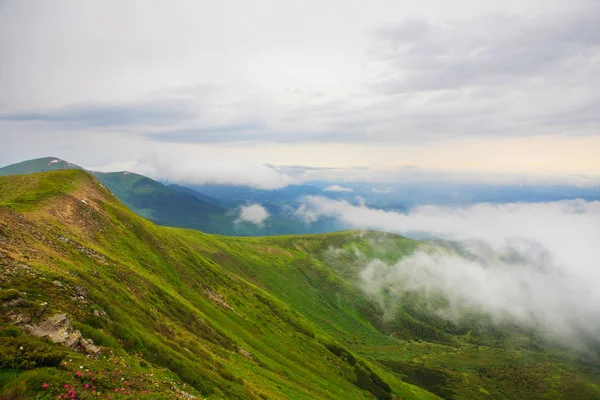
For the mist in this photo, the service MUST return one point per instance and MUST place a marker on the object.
(536, 264)
(253, 213)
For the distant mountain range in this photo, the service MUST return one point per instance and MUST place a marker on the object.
(180, 206)
(216, 208)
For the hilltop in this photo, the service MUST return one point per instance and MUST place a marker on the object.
(180, 206)
(164, 312)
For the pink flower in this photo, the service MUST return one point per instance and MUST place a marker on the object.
(87, 386)
(45, 386)
(116, 390)
(59, 397)
(66, 386)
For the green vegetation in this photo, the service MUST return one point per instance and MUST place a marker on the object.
(174, 205)
(178, 312)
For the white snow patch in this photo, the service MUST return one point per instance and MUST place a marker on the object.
(54, 161)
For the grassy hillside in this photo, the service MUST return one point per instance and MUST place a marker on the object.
(146, 197)
(179, 312)
(167, 317)
(180, 206)
(318, 276)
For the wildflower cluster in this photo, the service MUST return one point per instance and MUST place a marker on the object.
(87, 383)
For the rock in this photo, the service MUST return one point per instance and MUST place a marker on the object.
(57, 283)
(89, 347)
(19, 319)
(59, 329)
(81, 291)
(19, 301)
(101, 314)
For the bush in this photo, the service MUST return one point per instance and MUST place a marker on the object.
(28, 353)
(10, 331)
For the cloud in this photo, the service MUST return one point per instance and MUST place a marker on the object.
(425, 56)
(482, 69)
(338, 188)
(108, 114)
(253, 213)
(204, 170)
(382, 191)
(536, 263)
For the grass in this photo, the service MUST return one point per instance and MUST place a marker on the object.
(231, 317)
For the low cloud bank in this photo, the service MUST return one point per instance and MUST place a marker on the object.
(536, 263)
(206, 170)
(253, 213)
(338, 188)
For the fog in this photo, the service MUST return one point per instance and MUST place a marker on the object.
(253, 213)
(532, 263)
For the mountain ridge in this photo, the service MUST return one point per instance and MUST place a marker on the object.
(91, 221)
(174, 205)
(242, 317)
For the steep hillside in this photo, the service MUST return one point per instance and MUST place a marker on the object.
(162, 204)
(183, 207)
(167, 318)
(147, 197)
(319, 276)
(180, 312)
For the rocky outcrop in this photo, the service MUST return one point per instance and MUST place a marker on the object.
(59, 329)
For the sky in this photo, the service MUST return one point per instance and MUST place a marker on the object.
(239, 91)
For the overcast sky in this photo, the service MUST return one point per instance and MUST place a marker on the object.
(184, 87)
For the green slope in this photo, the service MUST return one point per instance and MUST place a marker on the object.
(162, 204)
(318, 276)
(167, 317)
(147, 197)
(177, 205)
(232, 317)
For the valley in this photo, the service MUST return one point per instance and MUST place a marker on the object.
(176, 311)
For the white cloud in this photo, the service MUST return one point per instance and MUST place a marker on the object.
(338, 188)
(253, 213)
(536, 263)
(382, 191)
(205, 170)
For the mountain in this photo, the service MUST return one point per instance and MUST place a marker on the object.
(37, 165)
(147, 197)
(175, 205)
(162, 204)
(181, 313)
